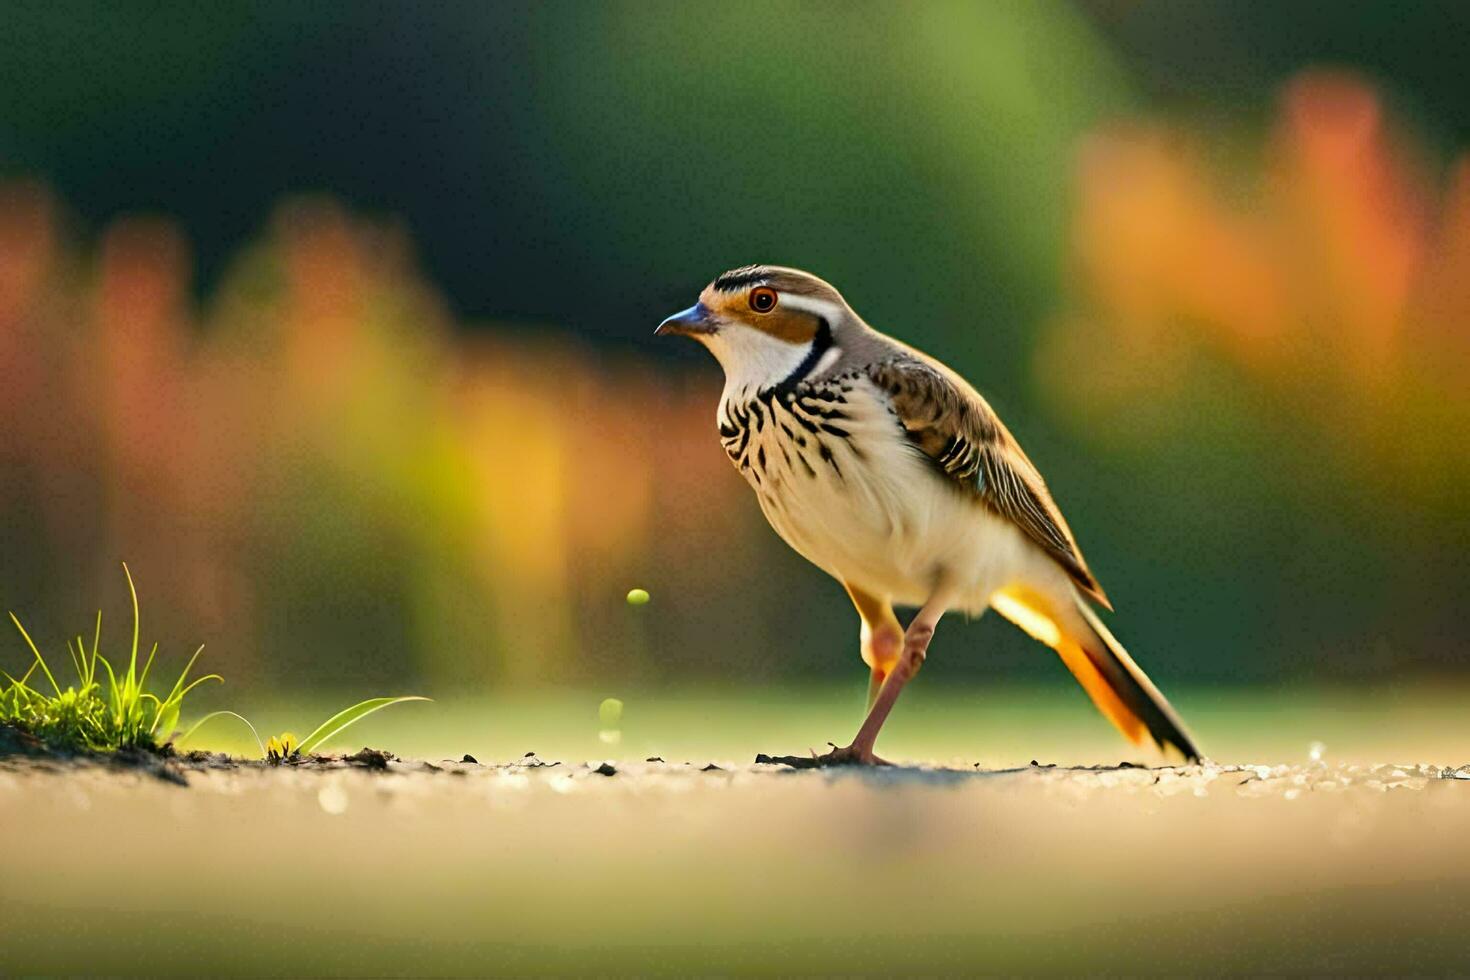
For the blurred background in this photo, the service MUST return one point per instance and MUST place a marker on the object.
(334, 321)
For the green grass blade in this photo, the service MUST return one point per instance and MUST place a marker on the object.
(222, 714)
(196, 682)
(143, 677)
(85, 665)
(25, 678)
(88, 665)
(133, 659)
(347, 717)
(114, 698)
(39, 659)
(179, 689)
(168, 712)
(96, 644)
(166, 718)
(20, 685)
(76, 663)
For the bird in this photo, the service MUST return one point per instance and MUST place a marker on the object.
(887, 470)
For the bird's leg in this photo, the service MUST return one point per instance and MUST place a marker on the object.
(915, 649)
(875, 685)
(881, 637)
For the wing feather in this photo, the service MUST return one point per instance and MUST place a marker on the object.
(951, 424)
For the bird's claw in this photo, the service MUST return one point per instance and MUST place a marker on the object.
(844, 756)
(848, 755)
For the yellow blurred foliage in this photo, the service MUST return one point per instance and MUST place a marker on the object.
(1328, 271)
(322, 428)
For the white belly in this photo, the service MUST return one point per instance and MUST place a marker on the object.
(876, 514)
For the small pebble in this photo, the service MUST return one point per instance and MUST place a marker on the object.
(471, 759)
(606, 769)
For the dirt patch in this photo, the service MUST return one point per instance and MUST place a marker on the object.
(21, 753)
(24, 750)
(371, 758)
(13, 741)
(545, 866)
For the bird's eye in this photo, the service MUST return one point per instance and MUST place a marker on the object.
(763, 299)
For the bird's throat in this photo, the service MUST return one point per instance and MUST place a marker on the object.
(817, 352)
(754, 361)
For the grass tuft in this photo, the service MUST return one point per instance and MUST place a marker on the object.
(123, 713)
(90, 714)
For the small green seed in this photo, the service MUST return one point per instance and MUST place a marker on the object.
(638, 597)
(610, 713)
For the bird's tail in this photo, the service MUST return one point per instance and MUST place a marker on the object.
(1121, 691)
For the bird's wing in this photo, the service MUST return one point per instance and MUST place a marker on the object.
(950, 423)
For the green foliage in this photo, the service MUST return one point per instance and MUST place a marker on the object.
(347, 717)
(90, 715)
(286, 746)
(123, 713)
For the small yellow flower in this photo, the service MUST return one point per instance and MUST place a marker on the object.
(279, 748)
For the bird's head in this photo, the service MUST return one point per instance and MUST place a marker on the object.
(766, 324)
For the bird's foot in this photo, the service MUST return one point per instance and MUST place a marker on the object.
(845, 756)
(849, 755)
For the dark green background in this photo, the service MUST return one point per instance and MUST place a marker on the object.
(581, 169)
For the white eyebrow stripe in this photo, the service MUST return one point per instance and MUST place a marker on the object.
(817, 307)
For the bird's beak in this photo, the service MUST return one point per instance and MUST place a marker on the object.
(695, 320)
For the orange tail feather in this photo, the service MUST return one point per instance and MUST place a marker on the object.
(1116, 685)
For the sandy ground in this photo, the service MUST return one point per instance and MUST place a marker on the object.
(454, 868)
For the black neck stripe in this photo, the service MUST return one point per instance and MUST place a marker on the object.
(821, 343)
